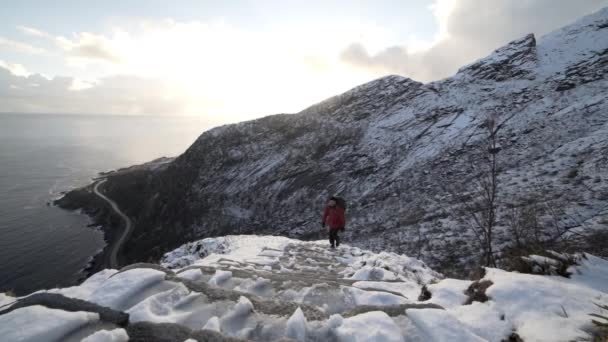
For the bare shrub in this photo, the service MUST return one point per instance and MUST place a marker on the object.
(600, 323)
(480, 207)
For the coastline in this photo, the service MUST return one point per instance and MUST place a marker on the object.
(101, 217)
(100, 213)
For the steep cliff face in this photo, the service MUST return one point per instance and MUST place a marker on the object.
(402, 153)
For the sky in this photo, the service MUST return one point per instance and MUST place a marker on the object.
(233, 60)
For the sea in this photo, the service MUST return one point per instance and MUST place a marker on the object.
(43, 155)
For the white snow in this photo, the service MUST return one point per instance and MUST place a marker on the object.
(164, 307)
(236, 319)
(118, 289)
(116, 335)
(84, 290)
(409, 290)
(259, 286)
(296, 326)
(449, 293)
(362, 297)
(373, 273)
(213, 324)
(591, 273)
(192, 274)
(549, 308)
(49, 324)
(390, 266)
(486, 320)
(371, 326)
(439, 325)
(238, 248)
(220, 277)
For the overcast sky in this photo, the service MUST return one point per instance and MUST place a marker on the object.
(234, 60)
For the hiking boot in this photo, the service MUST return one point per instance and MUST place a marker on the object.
(332, 246)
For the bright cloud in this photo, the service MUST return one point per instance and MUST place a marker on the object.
(15, 69)
(89, 47)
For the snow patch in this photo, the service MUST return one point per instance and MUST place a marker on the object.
(213, 324)
(220, 277)
(116, 335)
(117, 290)
(192, 274)
(50, 324)
(296, 326)
(439, 325)
(371, 326)
(449, 293)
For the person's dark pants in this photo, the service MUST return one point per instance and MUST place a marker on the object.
(334, 239)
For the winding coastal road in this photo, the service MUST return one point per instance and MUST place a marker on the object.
(128, 225)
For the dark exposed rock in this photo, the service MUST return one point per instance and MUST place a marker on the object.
(514, 337)
(512, 61)
(477, 291)
(391, 310)
(425, 294)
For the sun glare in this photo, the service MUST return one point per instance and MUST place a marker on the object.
(221, 71)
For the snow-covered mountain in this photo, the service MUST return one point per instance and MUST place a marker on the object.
(266, 288)
(403, 154)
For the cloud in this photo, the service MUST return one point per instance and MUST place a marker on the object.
(33, 31)
(111, 95)
(90, 46)
(468, 30)
(20, 47)
(393, 59)
(15, 69)
(82, 47)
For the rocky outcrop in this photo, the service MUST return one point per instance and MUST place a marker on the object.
(514, 61)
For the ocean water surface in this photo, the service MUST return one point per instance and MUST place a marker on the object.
(42, 155)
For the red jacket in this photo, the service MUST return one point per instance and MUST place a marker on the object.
(334, 217)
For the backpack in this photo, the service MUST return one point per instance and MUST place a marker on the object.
(340, 202)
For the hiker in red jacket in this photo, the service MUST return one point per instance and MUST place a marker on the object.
(333, 217)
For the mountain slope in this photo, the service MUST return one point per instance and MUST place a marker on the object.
(403, 154)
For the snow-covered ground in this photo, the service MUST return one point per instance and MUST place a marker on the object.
(266, 288)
